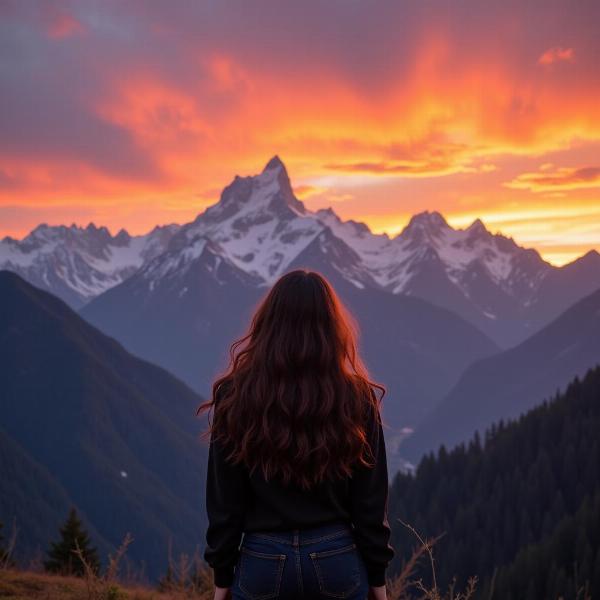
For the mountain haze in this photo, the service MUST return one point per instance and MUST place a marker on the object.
(111, 433)
(76, 263)
(509, 383)
(184, 308)
(518, 506)
(260, 227)
(34, 501)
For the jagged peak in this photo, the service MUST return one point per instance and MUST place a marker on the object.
(44, 231)
(156, 229)
(245, 191)
(122, 235)
(430, 218)
(328, 212)
(41, 227)
(274, 163)
(477, 226)
(430, 221)
(590, 257)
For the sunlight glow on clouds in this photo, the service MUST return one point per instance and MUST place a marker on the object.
(549, 178)
(139, 113)
(553, 55)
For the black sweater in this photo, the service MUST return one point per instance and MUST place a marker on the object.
(237, 502)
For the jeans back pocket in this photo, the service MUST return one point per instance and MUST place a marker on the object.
(338, 571)
(260, 574)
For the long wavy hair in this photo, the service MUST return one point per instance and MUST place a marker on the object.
(296, 397)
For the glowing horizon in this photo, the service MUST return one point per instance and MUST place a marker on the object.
(137, 115)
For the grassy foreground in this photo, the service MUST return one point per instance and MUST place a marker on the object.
(19, 584)
(29, 585)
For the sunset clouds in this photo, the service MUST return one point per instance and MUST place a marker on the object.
(139, 113)
(548, 178)
(553, 55)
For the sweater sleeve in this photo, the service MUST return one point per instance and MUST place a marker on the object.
(369, 503)
(226, 496)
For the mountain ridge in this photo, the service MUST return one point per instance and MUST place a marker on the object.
(259, 226)
(90, 414)
(538, 366)
(79, 263)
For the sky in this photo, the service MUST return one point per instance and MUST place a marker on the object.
(132, 114)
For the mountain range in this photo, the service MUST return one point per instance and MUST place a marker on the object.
(184, 308)
(77, 263)
(259, 228)
(85, 423)
(517, 506)
(431, 302)
(463, 327)
(509, 383)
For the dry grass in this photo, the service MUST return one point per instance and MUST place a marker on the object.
(28, 585)
(189, 577)
(404, 587)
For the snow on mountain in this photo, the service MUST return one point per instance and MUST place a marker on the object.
(394, 262)
(258, 223)
(258, 228)
(261, 227)
(458, 249)
(77, 263)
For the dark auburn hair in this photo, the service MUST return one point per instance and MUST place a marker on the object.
(296, 397)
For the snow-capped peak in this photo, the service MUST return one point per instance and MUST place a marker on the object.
(259, 227)
(477, 226)
(78, 263)
(274, 163)
(266, 195)
(275, 175)
(425, 224)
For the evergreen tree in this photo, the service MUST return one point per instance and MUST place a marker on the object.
(62, 557)
(514, 504)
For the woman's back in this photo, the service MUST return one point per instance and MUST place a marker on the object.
(297, 447)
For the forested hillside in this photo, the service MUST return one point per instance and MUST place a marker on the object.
(523, 503)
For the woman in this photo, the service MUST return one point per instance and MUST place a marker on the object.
(297, 485)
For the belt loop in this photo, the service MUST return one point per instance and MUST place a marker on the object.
(296, 541)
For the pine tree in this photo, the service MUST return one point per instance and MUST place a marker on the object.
(62, 557)
(514, 505)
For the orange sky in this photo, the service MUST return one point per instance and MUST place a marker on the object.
(139, 113)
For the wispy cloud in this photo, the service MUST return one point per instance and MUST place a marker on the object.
(306, 191)
(151, 107)
(556, 54)
(388, 168)
(549, 178)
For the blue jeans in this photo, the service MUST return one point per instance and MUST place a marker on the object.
(320, 562)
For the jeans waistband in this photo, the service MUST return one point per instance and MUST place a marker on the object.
(304, 535)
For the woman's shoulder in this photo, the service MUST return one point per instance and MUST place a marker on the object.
(373, 418)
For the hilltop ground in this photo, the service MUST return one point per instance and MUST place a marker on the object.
(28, 585)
